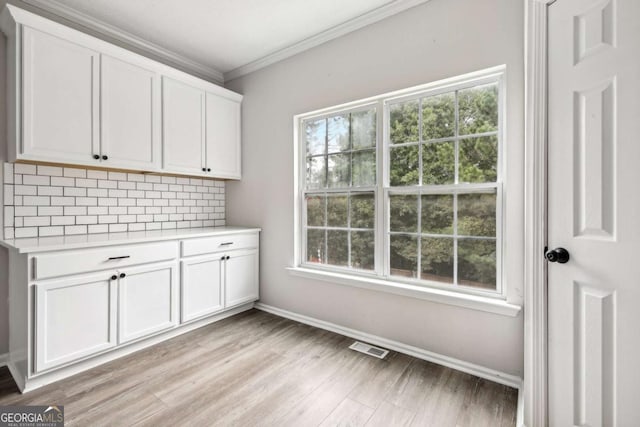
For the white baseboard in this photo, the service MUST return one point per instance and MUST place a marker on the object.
(520, 409)
(457, 364)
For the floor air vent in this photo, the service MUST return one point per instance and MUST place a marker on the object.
(378, 352)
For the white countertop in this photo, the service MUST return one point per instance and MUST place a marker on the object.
(59, 243)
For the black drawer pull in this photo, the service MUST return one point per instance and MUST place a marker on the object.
(226, 243)
(119, 257)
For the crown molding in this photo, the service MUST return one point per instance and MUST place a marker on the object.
(103, 30)
(332, 33)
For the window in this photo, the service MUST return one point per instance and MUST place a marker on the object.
(407, 187)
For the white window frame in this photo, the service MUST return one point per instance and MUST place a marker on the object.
(380, 277)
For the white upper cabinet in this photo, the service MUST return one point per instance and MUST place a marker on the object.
(59, 99)
(130, 134)
(223, 136)
(80, 100)
(183, 127)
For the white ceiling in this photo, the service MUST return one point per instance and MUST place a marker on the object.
(225, 35)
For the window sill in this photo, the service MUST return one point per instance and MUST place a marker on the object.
(474, 302)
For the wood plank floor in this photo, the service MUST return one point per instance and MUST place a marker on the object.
(257, 369)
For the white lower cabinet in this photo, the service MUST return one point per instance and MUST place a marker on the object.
(147, 300)
(202, 290)
(75, 318)
(74, 308)
(241, 277)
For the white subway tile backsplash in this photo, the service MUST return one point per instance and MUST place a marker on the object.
(52, 201)
(50, 231)
(63, 181)
(75, 210)
(75, 229)
(49, 191)
(63, 220)
(26, 232)
(36, 180)
(37, 221)
(75, 173)
(8, 173)
(25, 190)
(25, 169)
(49, 170)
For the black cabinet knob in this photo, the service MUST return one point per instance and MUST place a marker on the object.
(204, 169)
(222, 259)
(228, 257)
(105, 158)
(97, 157)
(559, 255)
(114, 277)
(122, 275)
(208, 169)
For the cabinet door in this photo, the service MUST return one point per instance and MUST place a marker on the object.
(241, 277)
(60, 100)
(148, 300)
(129, 115)
(75, 318)
(183, 127)
(202, 291)
(223, 136)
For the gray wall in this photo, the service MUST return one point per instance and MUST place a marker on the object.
(439, 39)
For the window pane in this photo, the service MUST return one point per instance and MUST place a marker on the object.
(362, 250)
(438, 163)
(364, 168)
(403, 255)
(478, 109)
(363, 210)
(363, 129)
(477, 263)
(437, 259)
(316, 135)
(479, 159)
(337, 211)
(437, 214)
(315, 210)
(403, 213)
(477, 214)
(316, 172)
(438, 116)
(315, 246)
(338, 247)
(338, 133)
(403, 119)
(339, 170)
(404, 169)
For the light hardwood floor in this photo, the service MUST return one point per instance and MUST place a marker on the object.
(257, 369)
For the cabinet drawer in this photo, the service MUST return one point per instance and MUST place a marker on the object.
(219, 243)
(73, 262)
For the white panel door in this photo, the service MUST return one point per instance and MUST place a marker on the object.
(594, 206)
(148, 300)
(182, 127)
(75, 318)
(130, 118)
(223, 136)
(202, 290)
(241, 277)
(60, 100)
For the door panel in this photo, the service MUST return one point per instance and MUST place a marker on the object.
(202, 291)
(183, 127)
(129, 115)
(241, 277)
(75, 318)
(148, 300)
(60, 99)
(223, 136)
(594, 339)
